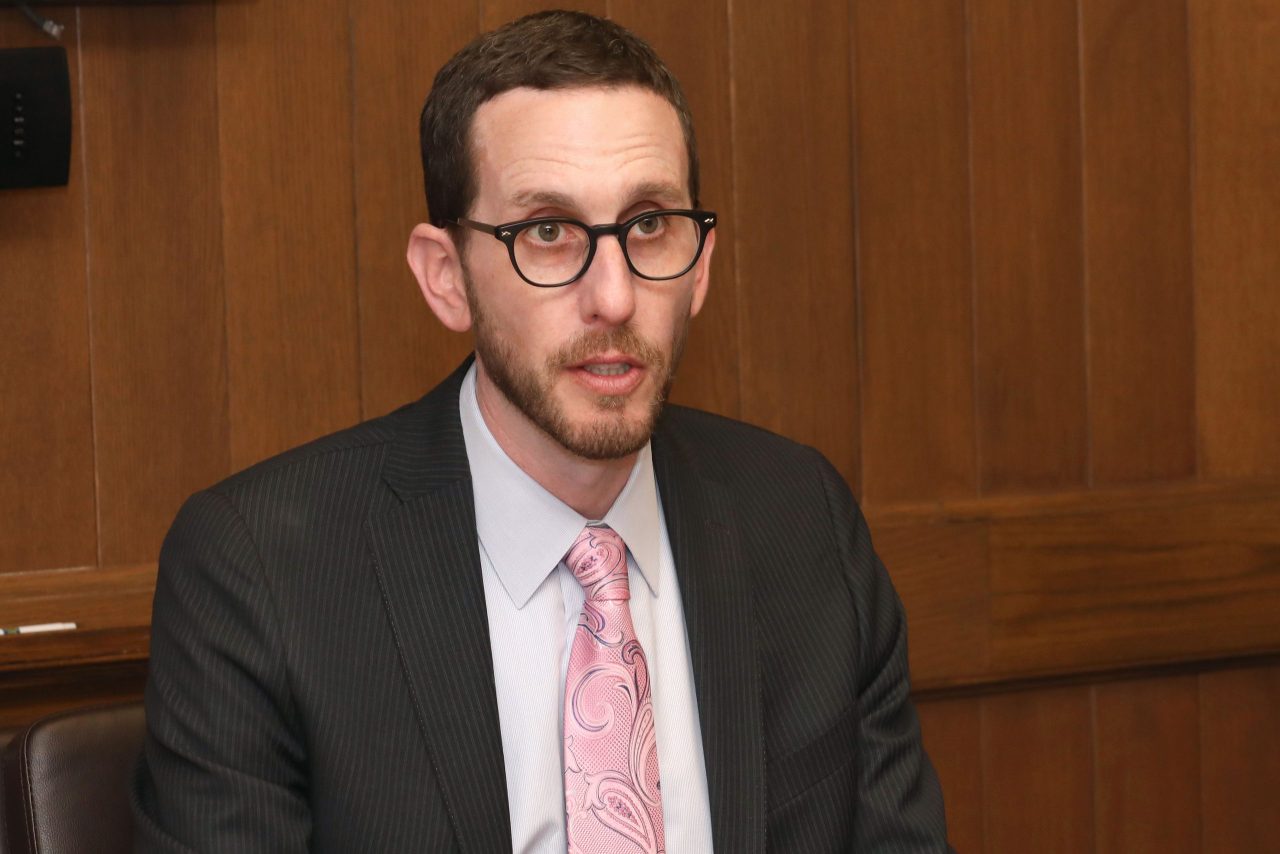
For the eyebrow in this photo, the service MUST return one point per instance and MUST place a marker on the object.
(660, 190)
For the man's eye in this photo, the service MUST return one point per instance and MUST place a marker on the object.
(649, 224)
(549, 232)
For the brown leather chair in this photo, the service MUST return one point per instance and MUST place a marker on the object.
(66, 781)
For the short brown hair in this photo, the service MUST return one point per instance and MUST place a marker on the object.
(545, 50)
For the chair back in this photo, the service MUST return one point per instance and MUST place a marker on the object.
(66, 781)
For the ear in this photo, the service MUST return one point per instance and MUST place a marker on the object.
(437, 266)
(702, 274)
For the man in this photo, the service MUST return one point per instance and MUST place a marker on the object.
(534, 611)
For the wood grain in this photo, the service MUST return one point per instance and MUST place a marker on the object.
(47, 500)
(1235, 67)
(1147, 772)
(1138, 240)
(1037, 771)
(1014, 587)
(914, 265)
(404, 350)
(495, 13)
(792, 171)
(693, 40)
(952, 731)
(1240, 754)
(1133, 585)
(1030, 359)
(939, 568)
(154, 234)
(284, 109)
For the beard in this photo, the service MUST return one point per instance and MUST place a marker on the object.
(609, 434)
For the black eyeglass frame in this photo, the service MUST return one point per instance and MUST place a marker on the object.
(508, 232)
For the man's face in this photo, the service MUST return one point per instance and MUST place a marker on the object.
(590, 363)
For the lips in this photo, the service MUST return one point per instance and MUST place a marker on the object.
(608, 374)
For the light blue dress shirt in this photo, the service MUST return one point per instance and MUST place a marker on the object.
(533, 602)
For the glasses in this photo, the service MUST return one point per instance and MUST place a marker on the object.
(553, 251)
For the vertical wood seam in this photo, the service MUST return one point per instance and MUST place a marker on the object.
(1086, 326)
(1093, 743)
(983, 747)
(222, 240)
(361, 403)
(734, 196)
(88, 292)
(1199, 773)
(1197, 446)
(855, 223)
(979, 480)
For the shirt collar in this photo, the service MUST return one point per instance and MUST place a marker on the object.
(526, 531)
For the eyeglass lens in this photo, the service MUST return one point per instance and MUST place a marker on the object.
(659, 246)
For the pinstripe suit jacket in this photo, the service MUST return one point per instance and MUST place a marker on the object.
(320, 660)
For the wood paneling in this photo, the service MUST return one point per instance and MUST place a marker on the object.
(284, 110)
(1037, 768)
(914, 266)
(404, 350)
(952, 731)
(693, 38)
(1138, 240)
(1240, 753)
(939, 567)
(495, 13)
(1030, 361)
(155, 275)
(1147, 773)
(792, 169)
(47, 502)
(1235, 62)
(1144, 583)
(1013, 587)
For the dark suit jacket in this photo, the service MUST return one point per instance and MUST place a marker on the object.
(320, 658)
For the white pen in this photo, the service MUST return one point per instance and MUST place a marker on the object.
(38, 628)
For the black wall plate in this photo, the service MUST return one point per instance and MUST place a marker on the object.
(35, 117)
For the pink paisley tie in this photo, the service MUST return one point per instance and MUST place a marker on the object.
(613, 798)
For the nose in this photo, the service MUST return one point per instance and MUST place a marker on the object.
(607, 292)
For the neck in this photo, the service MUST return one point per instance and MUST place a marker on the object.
(588, 486)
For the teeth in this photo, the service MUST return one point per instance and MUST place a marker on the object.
(607, 370)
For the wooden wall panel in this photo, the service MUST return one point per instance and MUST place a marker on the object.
(1235, 62)
(792, 166)
(952, 732)
(693, 39)
(158, 323)
(1240, 754)
(1147, 776)
(939, 567)
(404, 349)
(914, 266)
(495, 13)
(1138, 240)
(1160, 581)
(47, 500)
(284, 101)
(1030, 361)
(1037, 768)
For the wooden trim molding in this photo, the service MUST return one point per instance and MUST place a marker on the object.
(997, 590)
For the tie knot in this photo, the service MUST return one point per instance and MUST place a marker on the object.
(598, 559)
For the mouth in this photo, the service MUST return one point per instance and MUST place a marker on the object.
(609, 374)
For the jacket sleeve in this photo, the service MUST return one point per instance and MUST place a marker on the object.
(899, 805)
(223, 765)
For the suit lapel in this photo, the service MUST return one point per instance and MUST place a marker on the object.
(428, 565)
(721, 625)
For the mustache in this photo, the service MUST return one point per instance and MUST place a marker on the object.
(621, 339)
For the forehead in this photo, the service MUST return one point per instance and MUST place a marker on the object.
(592, 145)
